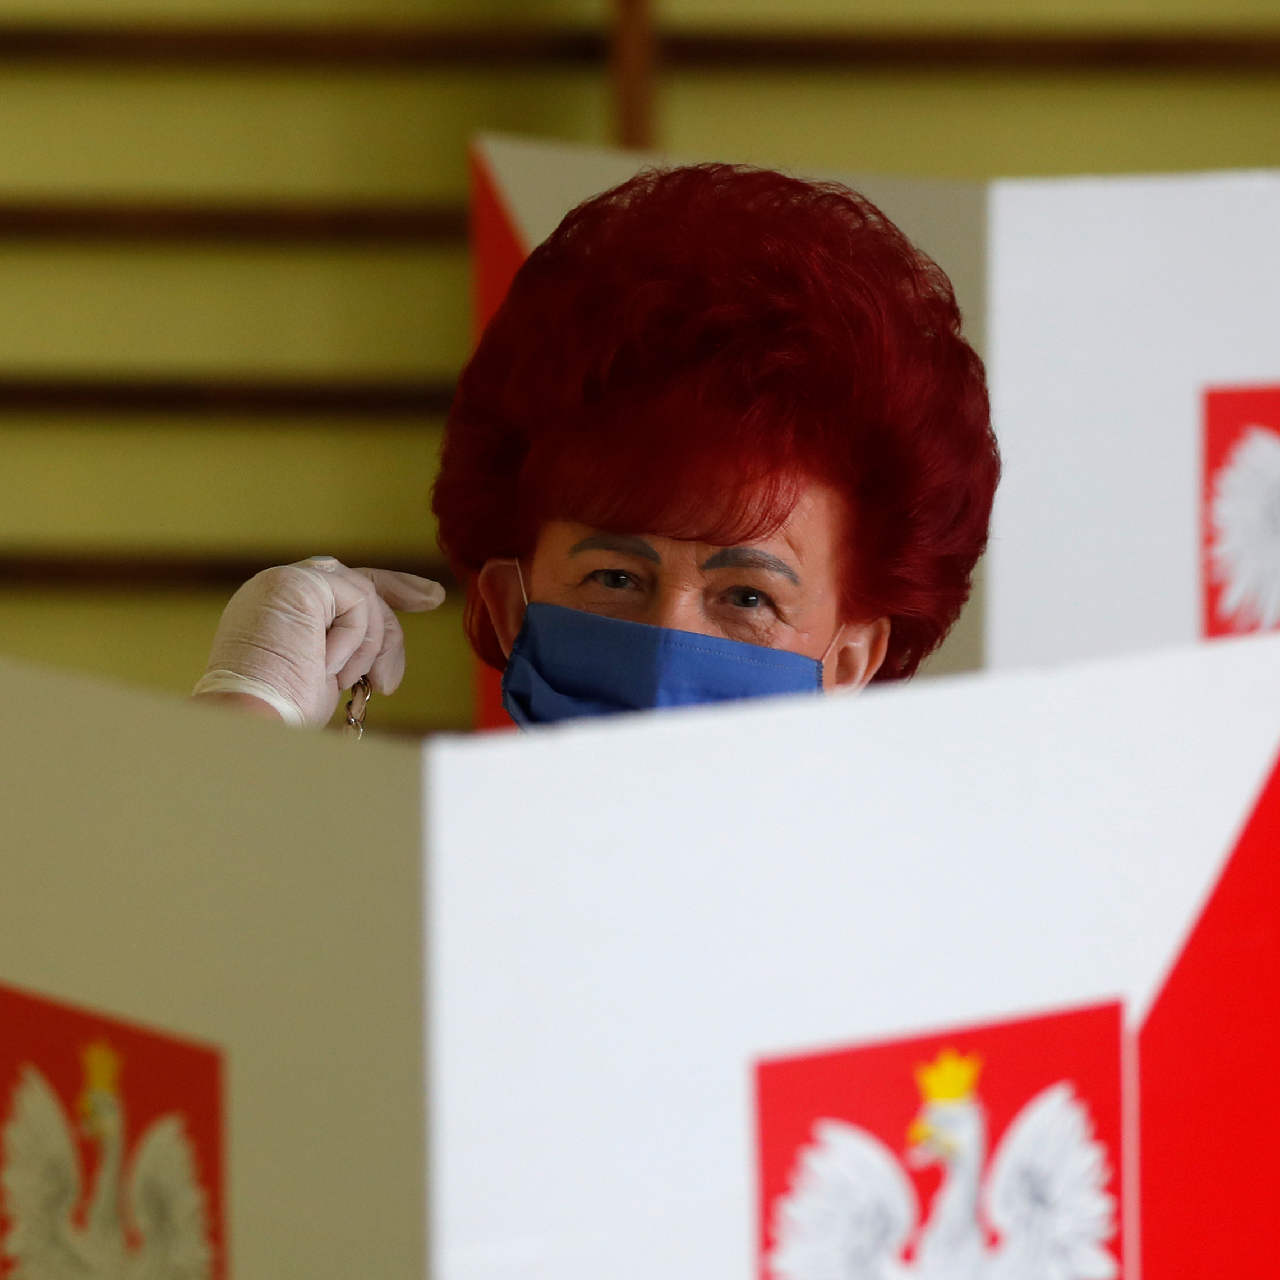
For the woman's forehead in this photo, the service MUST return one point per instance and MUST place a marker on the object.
(810, 530)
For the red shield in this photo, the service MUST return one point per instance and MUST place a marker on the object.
(110, 1146)
(946, 1153)
(1240, 511)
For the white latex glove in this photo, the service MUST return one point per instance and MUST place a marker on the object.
(297, 635)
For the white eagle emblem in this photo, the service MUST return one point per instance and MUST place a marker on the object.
(1245, 514)
(148, 1224)
(851, 1209)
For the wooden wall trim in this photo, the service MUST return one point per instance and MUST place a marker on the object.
(942, 51)
(487, 47)
(441, 224)
(407, 401)
(123, 571)
(339, 47)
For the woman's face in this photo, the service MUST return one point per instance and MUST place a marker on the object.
(782, 592)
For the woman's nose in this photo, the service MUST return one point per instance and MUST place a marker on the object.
(680, 609)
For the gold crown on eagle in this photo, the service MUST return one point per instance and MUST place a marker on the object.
(950, 1077)
(101, 1067)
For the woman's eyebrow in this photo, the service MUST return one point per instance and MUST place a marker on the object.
(750, 558)
(622, 544)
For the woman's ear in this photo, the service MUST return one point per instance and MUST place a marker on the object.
(856, 655)
(500, 588)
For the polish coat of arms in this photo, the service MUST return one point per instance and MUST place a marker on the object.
(1020, 1190)
(86, 1191)
(1240, 511)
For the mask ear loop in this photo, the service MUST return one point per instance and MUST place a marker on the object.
(525, 594)
(826, 653)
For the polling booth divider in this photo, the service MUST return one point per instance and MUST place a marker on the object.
(210, 933)
(952, 979)
(1135, 373)
(978, 977)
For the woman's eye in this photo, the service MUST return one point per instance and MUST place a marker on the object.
(614, 579)
(746, 598)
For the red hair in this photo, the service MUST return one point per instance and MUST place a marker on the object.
(687, 350)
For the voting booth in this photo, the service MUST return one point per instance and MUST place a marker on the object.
(1134, 331)
(210, 992)
(980, 968)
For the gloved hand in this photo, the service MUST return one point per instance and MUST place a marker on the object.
(296, 635)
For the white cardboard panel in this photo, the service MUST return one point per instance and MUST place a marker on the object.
(1113, 303)
(624, 916)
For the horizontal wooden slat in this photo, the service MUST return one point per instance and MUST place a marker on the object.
(281, 224)
(123, 572)
(236, 398)
(961, 51)
(309, 45)
(482, 47)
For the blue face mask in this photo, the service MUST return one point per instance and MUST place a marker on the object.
(567, 664)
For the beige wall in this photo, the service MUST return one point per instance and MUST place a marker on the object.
(271, 487)
(981, 124)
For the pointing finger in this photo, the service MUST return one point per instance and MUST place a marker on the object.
(405, 591)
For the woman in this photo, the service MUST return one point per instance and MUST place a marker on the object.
(723, 438)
